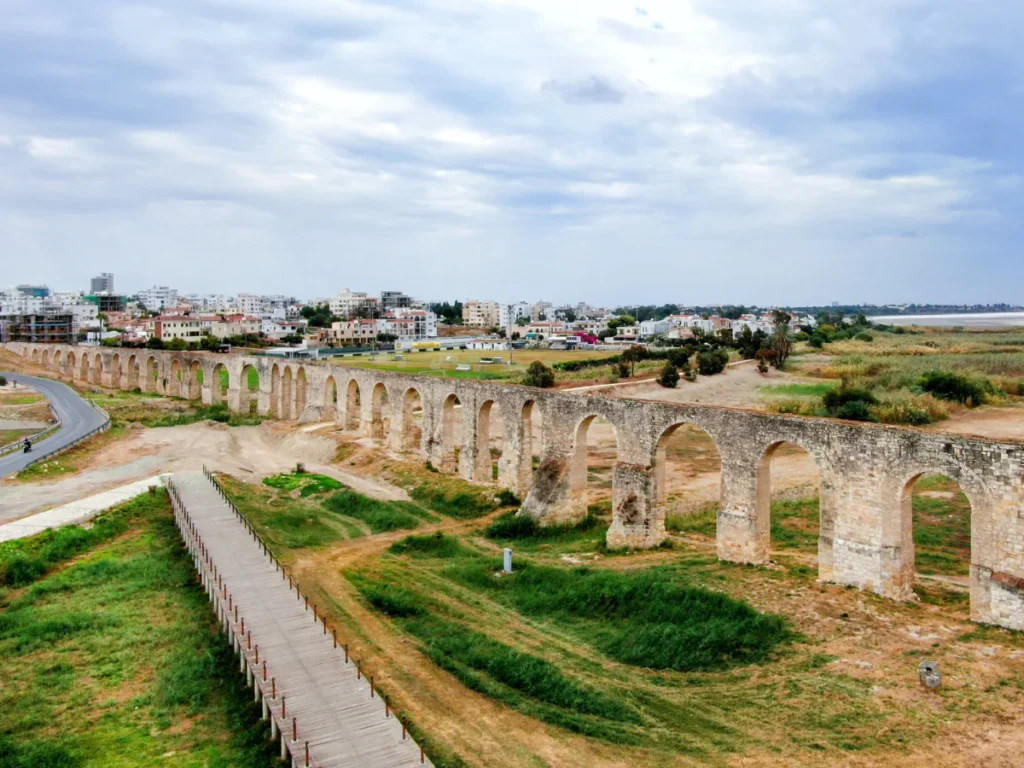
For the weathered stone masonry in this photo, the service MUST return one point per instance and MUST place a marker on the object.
(867, 471)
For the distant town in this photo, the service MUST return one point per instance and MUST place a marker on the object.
(354, 321)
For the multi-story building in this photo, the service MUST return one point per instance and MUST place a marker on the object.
(158, 298)
(481, 314)
(541, 311)
(38, 291)
(391, 300)
(360, 331)
(424, 321)
(510, 313)
(170, 327)
(103, 283)
(249, 303)
(224, 326)
(349, 304)
(48, 327)
(107, 302)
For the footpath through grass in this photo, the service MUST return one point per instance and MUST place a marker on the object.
(109, 654)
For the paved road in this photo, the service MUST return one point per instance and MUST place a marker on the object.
(77, 419)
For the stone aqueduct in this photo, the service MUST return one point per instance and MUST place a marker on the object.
(867, 471)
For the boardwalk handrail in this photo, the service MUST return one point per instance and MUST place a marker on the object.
(274, 707)
(53, 452)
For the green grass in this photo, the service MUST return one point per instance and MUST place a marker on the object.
(462, 504)
(283, 522)
(800, 390)
(114, 659)
(218, 412)
(513, 527)
(434, 545)
(942, 527)
(381, 516)
(306, 484)
(648, 618)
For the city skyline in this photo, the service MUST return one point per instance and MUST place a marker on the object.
(765, 153)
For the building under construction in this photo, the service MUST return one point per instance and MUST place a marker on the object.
(44, 328)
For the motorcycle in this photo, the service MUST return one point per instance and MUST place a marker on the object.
(28, 447)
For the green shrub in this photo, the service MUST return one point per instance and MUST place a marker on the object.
(816, 340)
(864, 336)
(837, 398)
(539, 375)
(392, 599)
(854, 410)
(956, 387)
(711, 362)
(507, 499)
(669, 377)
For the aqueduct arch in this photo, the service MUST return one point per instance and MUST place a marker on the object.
(866, 470)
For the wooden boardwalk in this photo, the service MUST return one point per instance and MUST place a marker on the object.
(319, 704)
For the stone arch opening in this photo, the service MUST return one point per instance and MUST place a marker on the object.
(97, 369)
(58, 362)
(532, 446)
(594, 456)
(174, 386)
(220, 384)
(330, 399)
(791, 508)
(275, 391)
(687, 479)
(83, 372)
(151, 379)
(380, 413)
(490, 441)
(249, 388)
(35, 355)
(452, 432)
(353, 405)
(412, 420)
(133, 373)
(194, 391)
(936, 530)
(286, 393)
(115, 371)
(46, 357)
(301, 393)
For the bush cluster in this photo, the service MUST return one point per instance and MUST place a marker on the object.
(710, 362)
(851, 403)
(946, 385)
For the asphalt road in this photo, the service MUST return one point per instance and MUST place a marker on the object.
(77, 417)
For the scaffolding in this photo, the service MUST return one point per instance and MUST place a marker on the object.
(48, 328)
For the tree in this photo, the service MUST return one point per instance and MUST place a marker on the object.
(291, 338)
(669, 377)
(539, 375)
(569, 315)
(515, 335)
(319, 316)
(522, 322)
(178, 345)
(621, 320)
(154, 343)
(605, 333)
(632, 356)
(780, 342)
(712, 361)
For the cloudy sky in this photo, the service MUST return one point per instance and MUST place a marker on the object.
(754, 151)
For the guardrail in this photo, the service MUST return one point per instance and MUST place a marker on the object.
(17, 444)
(48, 454)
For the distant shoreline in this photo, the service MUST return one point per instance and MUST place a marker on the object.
(975, 320)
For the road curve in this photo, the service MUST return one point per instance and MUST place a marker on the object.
(78, 418)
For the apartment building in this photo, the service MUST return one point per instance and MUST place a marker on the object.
(481, 314)
(158, 298)
(349, 304)
(223, 326)
(170, 327)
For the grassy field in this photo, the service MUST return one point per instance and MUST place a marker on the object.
(109, 654)
(443, 363)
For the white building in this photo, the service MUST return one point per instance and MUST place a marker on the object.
(349, 303)
(541, 311)
(654, 327)
(158, 298)
(425, 321)
(511, 312)
(481, 314)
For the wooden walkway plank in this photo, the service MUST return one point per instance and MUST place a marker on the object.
(310, 692)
